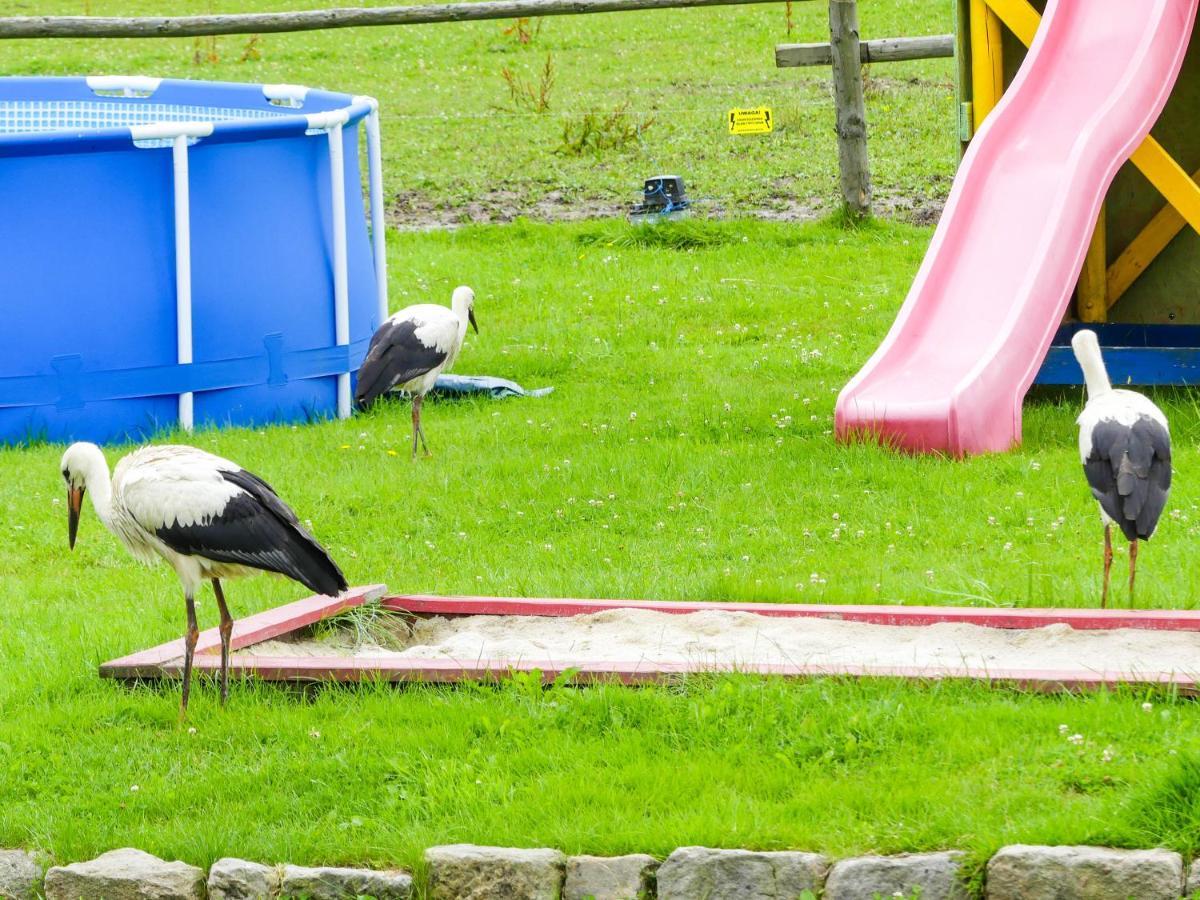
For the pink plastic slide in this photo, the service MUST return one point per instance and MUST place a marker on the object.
(952, 372)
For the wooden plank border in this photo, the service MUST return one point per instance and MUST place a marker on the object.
(449, 671)
(165, 660)
(246, 632)
(877, 614)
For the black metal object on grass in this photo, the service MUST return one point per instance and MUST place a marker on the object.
(663, 197)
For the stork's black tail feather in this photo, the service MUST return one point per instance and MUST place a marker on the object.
(303, 559)
(372, 383)
(396, 356)
(310, 564)
(1129, 471)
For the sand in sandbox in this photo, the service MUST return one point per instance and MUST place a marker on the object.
(722, 639)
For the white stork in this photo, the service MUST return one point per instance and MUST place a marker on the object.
(1125, 445)
(206, 516)
(412, 348)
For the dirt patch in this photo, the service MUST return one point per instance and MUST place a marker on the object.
(914, 210)
(413, 211)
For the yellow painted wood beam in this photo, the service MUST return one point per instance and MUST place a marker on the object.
(1170, 178)
(987, 62)
(1020, 17)
(1167, 176)
(1091, 292)
(1144, 249)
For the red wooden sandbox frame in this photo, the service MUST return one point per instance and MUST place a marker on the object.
(166, 660)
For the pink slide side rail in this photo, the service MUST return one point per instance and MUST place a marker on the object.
(953, 370)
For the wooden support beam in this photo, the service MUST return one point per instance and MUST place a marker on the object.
(933, 46)
(851, 109)
(1169, 178)
(1092, 290)
(319, 19)
(987, 62)
(962, 63)
(1020, 17)
(1143, 249)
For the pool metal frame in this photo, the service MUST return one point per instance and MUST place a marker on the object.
(165, 660)
(331, 123)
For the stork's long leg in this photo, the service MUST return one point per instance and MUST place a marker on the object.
(1107, 564)
(1132, 569)
(189, 647)
(226, 632)
(417, 429)
(416, 422)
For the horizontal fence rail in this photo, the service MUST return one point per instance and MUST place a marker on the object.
(934, 46)
(12, 27)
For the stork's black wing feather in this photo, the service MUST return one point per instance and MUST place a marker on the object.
(258, 530)
(396, 356)
(1129, 471)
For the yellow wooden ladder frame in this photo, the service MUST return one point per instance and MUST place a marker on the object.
(1100, 285)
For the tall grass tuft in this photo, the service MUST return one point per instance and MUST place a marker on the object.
(1168, 810)
(367, 624)
(670, 234)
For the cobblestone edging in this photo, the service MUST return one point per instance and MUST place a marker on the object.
(470, 872)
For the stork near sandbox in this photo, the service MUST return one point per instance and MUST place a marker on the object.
(207, 517)
(1125, 446)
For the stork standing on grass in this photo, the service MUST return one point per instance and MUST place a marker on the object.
(206, 516)
(411, 349)
(1125, 445)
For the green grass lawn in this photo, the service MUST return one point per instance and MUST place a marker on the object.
(685, 454)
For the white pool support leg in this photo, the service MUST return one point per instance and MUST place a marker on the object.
(183, 271)
(341, 288)
(378, 236)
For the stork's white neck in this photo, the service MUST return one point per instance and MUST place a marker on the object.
(460, 305)
(94, 468)
(1092, 363)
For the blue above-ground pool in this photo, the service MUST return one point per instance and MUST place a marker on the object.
(177, 252)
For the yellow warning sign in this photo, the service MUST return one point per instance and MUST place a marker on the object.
(751, 121)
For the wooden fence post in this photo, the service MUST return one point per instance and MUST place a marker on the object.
(851, 111)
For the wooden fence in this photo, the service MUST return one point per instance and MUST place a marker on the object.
(319, 19)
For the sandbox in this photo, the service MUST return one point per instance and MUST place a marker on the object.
(480, 638)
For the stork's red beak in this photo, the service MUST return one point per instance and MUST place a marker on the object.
(74, 504)
(471, 319)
